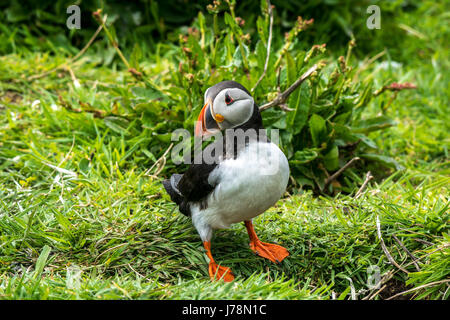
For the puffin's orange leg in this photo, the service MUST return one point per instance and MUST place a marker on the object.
(216, 271)
(273, 252)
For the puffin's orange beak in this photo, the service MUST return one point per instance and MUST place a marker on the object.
(207, 121)
(200, 127)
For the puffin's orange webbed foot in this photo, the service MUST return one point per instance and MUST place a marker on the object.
(217, 272)
(273, 252)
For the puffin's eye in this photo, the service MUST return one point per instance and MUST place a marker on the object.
(228, 99)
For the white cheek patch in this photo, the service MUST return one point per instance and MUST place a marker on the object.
(237, 112)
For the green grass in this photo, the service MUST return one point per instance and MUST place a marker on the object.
(129, 246)
(81, 219)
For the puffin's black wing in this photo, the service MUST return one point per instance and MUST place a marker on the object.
(171, 186)
(192, 186)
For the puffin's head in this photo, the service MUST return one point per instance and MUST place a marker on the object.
(227, 105)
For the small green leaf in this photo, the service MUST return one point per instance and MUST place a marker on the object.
(237, 56)
(318, 129)
(291, 70)
(297, 118)
(373, 124)
(116, 124)
(366, 140)
(147, 93)
(271, 116)
(165, 137)
(304, 156)
(262, 27)
(300, 60)
(150, 107)
(149, 155)
(260, 51)
(136, 56)
(331, 159)
(201, 20)
(83, 165)
(41, 261)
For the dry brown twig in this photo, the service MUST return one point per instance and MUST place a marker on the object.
(445, 246)
(381, 287)
(428, 243)
(283, 96)
(372, 296)
(86, 108)
(414, 259)
(338, 173)
(419, 287)
(160, 163)
(395, 86)
(364, 185)
(385, 250)
(144, 277)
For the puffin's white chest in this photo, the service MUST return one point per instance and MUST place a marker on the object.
(246, 186)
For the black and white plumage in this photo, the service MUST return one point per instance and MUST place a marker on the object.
(244, 181)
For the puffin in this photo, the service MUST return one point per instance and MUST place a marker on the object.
(238, 180)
